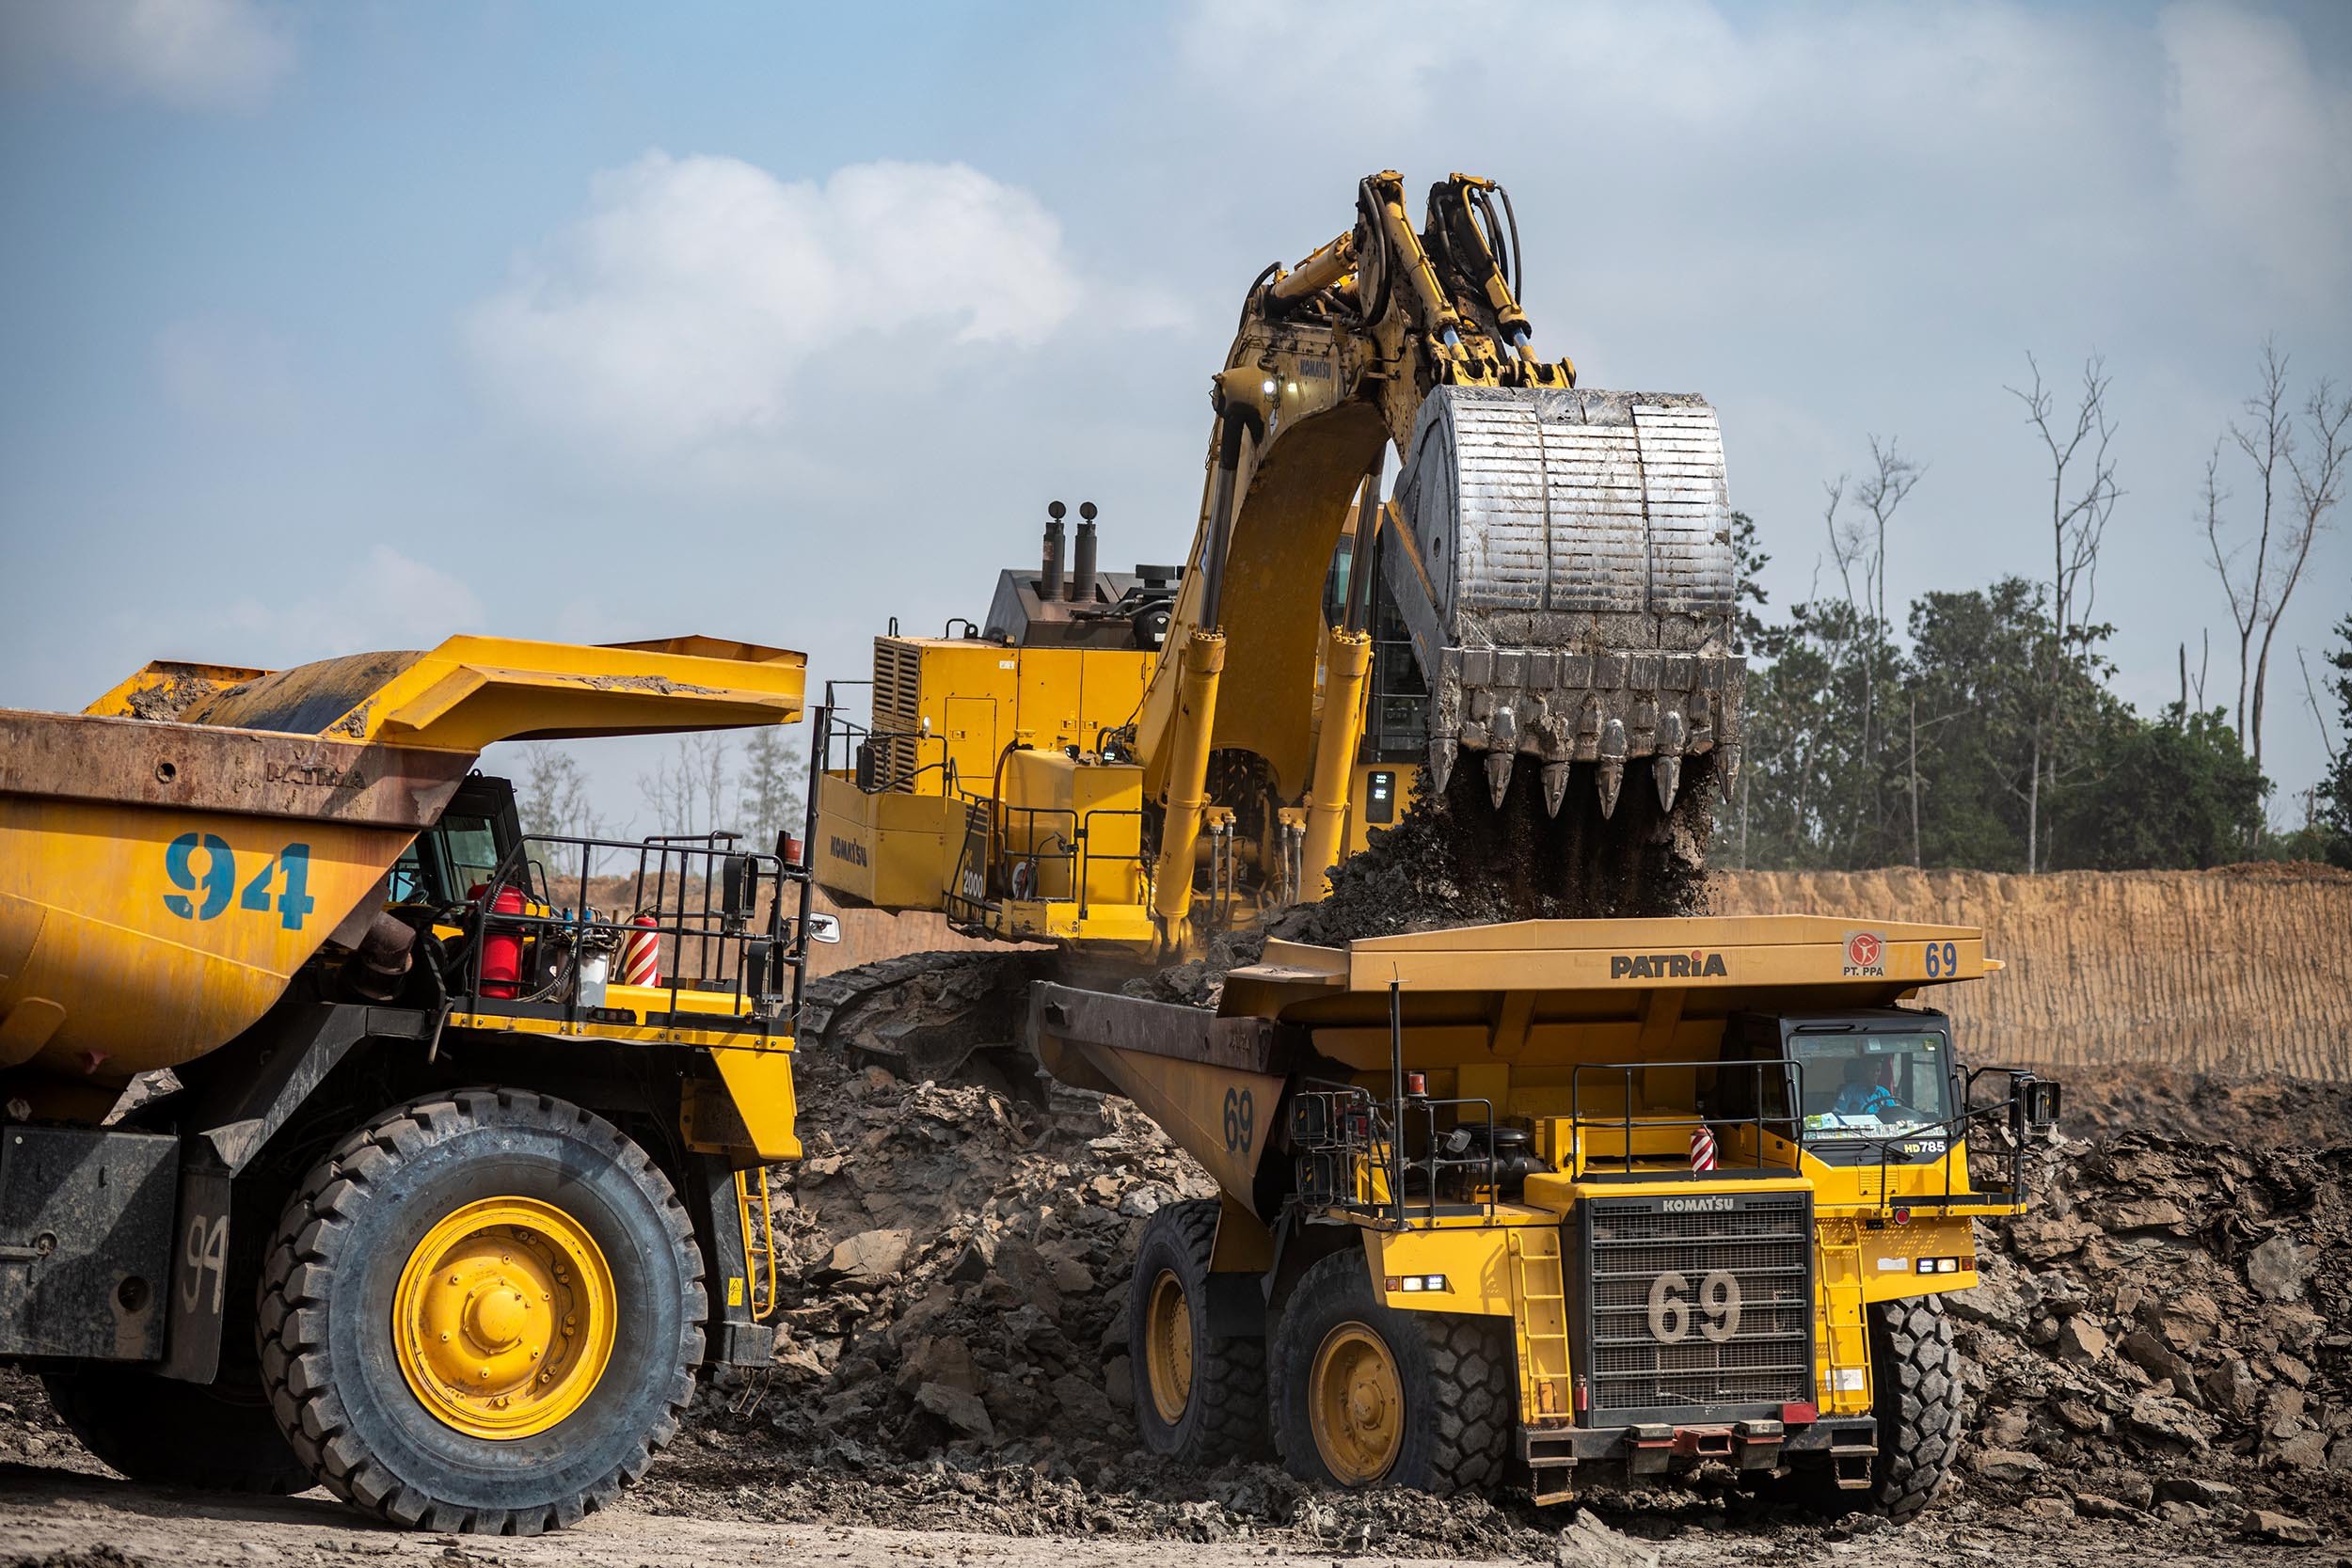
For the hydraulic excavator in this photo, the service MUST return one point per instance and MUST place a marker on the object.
(1139, 761)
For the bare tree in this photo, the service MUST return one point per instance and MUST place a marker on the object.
(687, 791)
(2083, 493)
(2299, 488)
(1859, 544)
(553, 800)
(2327, 741)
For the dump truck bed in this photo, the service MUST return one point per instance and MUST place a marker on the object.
(162, 878)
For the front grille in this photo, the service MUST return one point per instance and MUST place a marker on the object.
(1712, 1307)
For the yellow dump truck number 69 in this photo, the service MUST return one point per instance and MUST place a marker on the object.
(1593, 1200)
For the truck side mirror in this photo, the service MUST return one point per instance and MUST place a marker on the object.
(2040, 1099)
(738, 889)
(822, 928)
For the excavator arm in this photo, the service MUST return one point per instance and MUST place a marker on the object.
(1561, 558)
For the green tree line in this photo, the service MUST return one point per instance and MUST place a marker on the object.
(1989, 737)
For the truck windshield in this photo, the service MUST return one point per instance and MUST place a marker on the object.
(1863, 1088)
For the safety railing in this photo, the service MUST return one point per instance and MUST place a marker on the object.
(1342, 1135)
(2030, 1107)
(696, 917)
(1759, 1121)
(1088, 854)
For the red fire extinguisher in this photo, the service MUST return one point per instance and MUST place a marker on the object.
(501, 947)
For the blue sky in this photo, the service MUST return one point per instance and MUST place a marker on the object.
(346, 327)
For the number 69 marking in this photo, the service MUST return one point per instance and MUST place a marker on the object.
(1942, 960)
(1670, 1307)
(1241, 1117)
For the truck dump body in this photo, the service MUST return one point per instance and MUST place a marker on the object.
(171, 857)
(1682, 1167)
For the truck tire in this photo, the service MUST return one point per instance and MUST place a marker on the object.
(1914, 1376)
(1200, 1397)
(165, 1432)
(1366, 1395)
(1914, 1381)
(492, 1232)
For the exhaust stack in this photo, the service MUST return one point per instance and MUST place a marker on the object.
(1049, 579)
(1082, 576)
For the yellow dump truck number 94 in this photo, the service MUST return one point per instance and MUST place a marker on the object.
(290, 869)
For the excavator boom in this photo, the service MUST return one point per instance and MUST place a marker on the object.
(1548, 583)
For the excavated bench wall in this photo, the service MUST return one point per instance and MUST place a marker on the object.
(2241, 970)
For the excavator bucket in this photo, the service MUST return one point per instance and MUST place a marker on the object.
(1567, 575)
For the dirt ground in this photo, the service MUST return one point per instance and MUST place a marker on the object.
(67, 1514)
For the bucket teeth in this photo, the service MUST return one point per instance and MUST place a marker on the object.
(1499, 776)
(1611, 779)
(1666, 772)
(1441, 755)
(1555, 786)
(1612, 775)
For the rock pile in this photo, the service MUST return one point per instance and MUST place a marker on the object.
(954, 1261)
(2168, 1335)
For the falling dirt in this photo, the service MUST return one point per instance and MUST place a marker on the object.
(1457, 859)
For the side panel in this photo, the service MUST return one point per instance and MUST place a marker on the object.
(1223, 1116)
(140, 938)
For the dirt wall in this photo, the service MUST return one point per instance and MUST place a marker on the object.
(2244, 969)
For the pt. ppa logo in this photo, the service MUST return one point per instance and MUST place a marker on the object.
(1866, 956)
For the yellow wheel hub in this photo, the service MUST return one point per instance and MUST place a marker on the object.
(1356, 1406)
(504, 1317)
(1167, 1347)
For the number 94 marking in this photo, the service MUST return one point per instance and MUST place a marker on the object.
(203, 894)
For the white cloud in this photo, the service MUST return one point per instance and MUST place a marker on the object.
(684, 319)
(187, 53)
(388, 600)
(225, 372)
(2261, 140)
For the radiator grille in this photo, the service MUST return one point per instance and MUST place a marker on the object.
(898, 712)
(1653, 1346)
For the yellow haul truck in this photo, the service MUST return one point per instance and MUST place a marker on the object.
(442, 1203)
(1566, 1201)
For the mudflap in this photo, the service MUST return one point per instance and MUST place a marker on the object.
(85, 1219)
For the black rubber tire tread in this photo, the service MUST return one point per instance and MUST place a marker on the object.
(303, 1259)
(165, 1432)
(1225, 1417)
(1915, 1373)
(1459, 1372)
